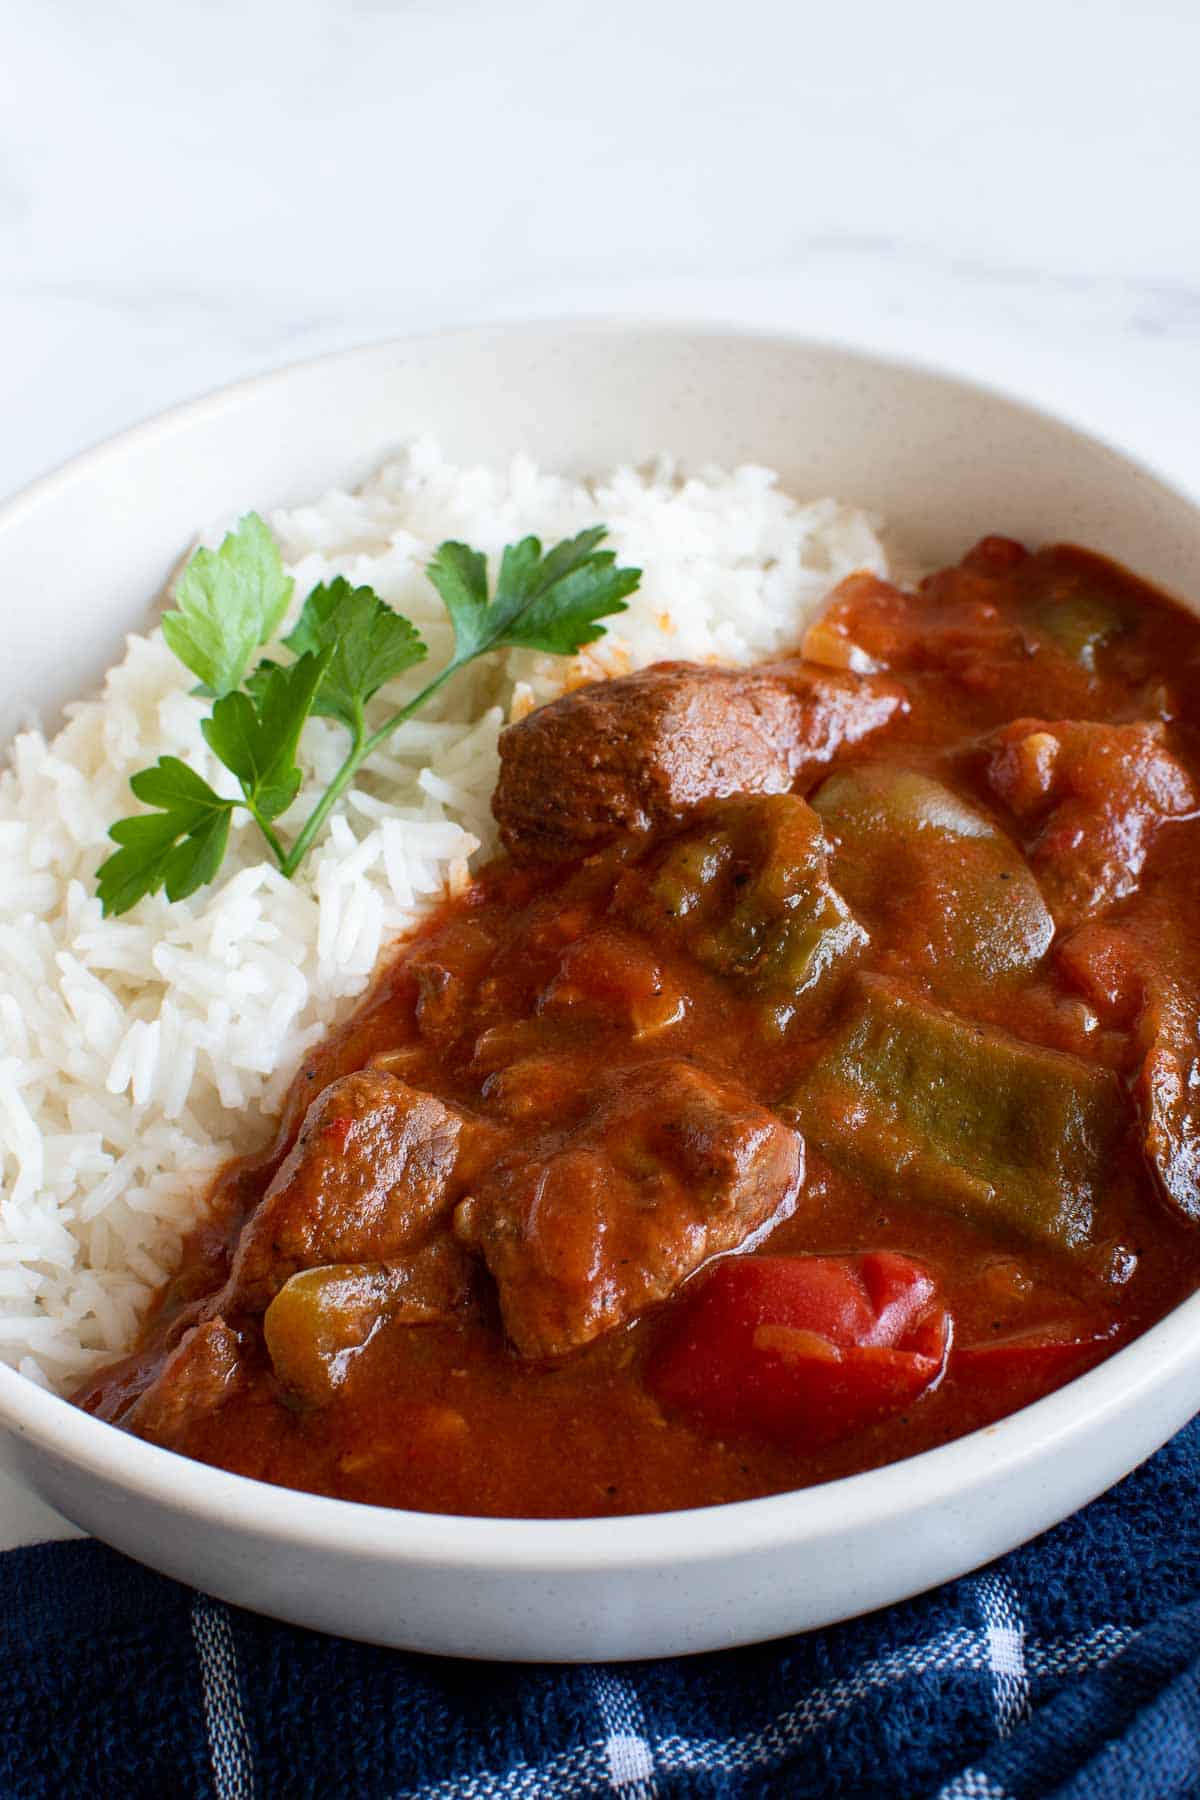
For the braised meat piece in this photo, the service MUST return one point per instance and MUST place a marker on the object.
(672, 1167)
(1095, 796)
(204, 1370)
(376, 1168)
(641, 751)
(831, 710)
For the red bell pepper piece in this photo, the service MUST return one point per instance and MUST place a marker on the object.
(802, 1350)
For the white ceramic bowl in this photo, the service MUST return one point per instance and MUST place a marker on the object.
(82, 555)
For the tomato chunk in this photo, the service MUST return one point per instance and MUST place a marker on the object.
(802, 1350)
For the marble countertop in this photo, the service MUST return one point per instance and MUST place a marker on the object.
(189, 195)
(192, 194)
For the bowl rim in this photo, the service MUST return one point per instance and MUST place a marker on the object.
(182, 413)
(950, 1474)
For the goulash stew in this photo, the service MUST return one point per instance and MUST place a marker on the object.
(814, 1078)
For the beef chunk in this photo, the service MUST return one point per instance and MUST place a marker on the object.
(1095, 796)
(376, 1167)
(672, 1167)
(830, 710)
(204, 1370)
(639, 752)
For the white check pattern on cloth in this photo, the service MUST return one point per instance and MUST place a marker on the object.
(1004, 1635)
(973, 1784)
(630, 1761)
(627, 1759)
(612, 1765)
(229, 1749)
(1075, 1655)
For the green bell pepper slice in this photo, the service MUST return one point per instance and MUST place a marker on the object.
(962, 1117)
(747, 889)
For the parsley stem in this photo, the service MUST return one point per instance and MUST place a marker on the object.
(406, 712)
(320, 812)
(361, 746)
(272, 837)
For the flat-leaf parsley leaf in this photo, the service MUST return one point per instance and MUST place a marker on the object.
(256, 735)
(347, 644)
(229, 602)
(541, 602)
(178, 848)
(370, 646)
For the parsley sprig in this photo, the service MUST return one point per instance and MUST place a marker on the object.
(346, 645)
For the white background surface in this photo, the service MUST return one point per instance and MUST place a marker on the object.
(194, 192)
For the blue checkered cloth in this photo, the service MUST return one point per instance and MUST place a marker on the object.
(1071, 1668)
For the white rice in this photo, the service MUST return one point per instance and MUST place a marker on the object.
(138, 1053)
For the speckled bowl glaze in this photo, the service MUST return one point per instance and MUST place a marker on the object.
(941, 461)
